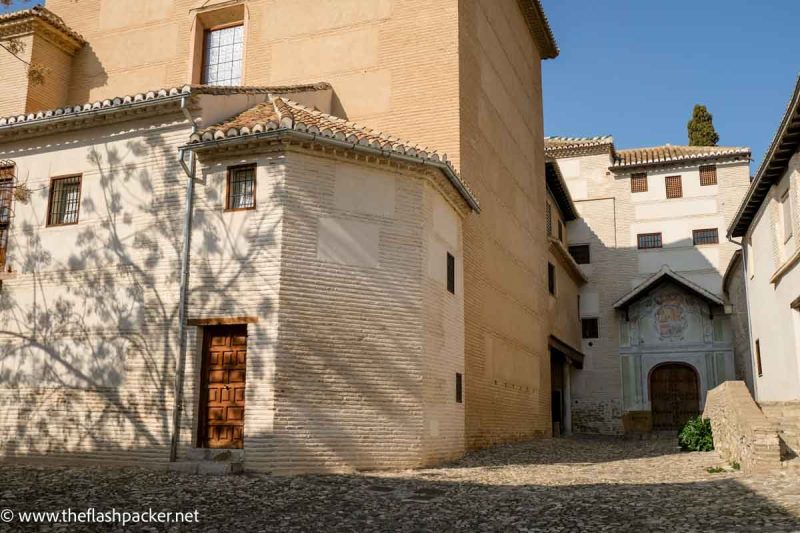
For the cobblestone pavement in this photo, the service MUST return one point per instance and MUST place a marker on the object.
(553, 485)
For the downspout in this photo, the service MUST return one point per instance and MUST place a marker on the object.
(184, 281)
(750, 340)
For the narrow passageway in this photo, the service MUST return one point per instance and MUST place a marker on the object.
(570, 484)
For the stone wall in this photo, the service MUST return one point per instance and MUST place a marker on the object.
(742, 433)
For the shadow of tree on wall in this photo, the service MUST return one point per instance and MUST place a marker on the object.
(88, 329)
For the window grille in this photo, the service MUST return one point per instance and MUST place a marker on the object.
(6, 198)
(222, 58)
(648, 240)
(241, 188)
(705, 236)
(65, 196)
(708, 175)
(639, 182)
(674, 187)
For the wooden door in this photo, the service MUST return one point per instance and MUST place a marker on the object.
(223, 385)
(674, 396)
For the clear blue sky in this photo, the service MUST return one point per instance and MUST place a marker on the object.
(635, 68)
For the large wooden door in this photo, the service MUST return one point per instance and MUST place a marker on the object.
(674, 395)
(223, 384)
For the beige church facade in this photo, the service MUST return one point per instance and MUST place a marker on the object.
(232, 245)
(656, 323)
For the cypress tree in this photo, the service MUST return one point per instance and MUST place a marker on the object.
(701, 128)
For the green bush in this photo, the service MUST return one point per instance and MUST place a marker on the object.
(696, 436)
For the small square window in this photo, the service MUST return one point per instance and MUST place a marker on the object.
(65, 194)
(551, 278)
(580, 253)
(705, 236)
(674, 187)
(589, 328)
(708, 175)
(451, 273)
(241, 188)
(648, 240)
(459, 388)
(639, 182)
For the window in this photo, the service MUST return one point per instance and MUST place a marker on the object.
(580, 253)
(560, 231)
(705, 236)
(6, 196)
(459, 388)
(648, 240)
(222, 56)
(241, 188)
(549, 222)
(674, 187)
(708, 175)
(786, 208)
(589, 328)
(758, 359)
(451, 273)
(551, 278)
(65, 195)
(639, 182)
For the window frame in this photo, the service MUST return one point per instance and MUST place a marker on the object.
(707, 168)
(51, 190)
(551, 278)
(639, 241)
(6, 176)
(676, 178)
(588, 253)
(459, 387)
(229, 174)
(759, 367)
(695, 232)
(204, 55)
(596, 327)
(638, 178)
(451, 273)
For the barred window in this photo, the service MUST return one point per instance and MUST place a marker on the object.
(705, 236)
(65, 194)
(6, 197)
(708, 175)
(639, 182)
(549, 222)
(241, 188)
(580, 253)
(589, 328)
(674, 187)
(222, 57)
(648, 240)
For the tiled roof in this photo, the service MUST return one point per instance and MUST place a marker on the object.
(539, 27)
(574, 146)
(153, 96)
(669, 154)
(785, 143)
(280, 113)
(664, 274)
(46, 15)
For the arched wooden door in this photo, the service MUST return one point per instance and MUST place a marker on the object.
(674, 395)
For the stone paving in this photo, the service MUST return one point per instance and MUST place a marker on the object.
(550, 485)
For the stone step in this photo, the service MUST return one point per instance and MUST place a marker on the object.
(215, 468)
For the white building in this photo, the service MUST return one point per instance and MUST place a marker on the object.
(657, 332)
(767, 224)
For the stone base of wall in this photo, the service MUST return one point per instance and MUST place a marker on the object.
(742, 433)
(786, 416)
(598, 417)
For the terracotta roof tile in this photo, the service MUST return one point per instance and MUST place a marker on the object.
(280, 113)
(669, 153)
(47, 16)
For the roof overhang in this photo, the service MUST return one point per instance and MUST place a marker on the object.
(538, 25)
(573, 356)
(784, 145)
(558, 188)
(662, 276)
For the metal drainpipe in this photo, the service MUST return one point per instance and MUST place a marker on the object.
(187, 229)
(750, 340)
